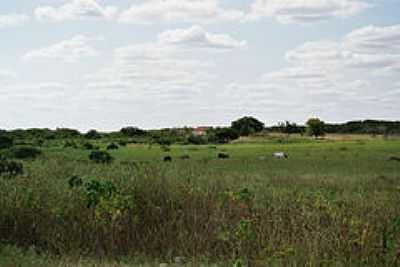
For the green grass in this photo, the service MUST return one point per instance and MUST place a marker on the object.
(331, 203)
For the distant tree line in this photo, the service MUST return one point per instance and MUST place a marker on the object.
(244, 126)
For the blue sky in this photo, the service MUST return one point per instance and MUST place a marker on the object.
(164, 63)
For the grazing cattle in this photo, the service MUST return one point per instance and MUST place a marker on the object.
(223, 156)
(167, 159)
(393, 158)
(280, 155)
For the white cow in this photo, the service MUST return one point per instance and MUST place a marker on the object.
(280, 155)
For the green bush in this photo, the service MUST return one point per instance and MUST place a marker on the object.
(6, 142)
(10, 168)
(112, 146)
(24, 152)
(100, 157)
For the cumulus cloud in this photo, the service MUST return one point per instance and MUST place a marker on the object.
(372, 48)
(75, 10)
(330, 79)
(195, 11)
(300, 11)
(13, 20)
(168, 69)
(371, 39)
(196, 36)
(69, 51)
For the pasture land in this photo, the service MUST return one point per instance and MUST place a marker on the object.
(334, 202)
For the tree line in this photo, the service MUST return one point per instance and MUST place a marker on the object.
(244, 126)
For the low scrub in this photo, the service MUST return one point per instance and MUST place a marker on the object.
(24, 152)
(10, 168)
(100, 157)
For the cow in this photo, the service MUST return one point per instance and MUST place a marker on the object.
(280, 155)
(393, 158)
(167, 159)
(223, 156)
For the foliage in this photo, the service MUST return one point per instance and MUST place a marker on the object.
(132, 132)
(247, 125)
(10, 168)
(24, 152)
(100, 157)
(92, 134)
(6, 142)
(88, 146)
(112, 146)
(196, 140)
(222, 135)
(315, 127)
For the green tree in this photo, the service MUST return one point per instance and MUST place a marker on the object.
(315, 127)
(247, 125)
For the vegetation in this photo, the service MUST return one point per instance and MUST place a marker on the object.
(247, 125)
(315, 127)
(333, 202)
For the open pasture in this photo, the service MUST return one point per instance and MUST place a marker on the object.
(331, 203)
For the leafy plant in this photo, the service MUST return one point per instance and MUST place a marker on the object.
(100, 157)
(10, 168)
(24, 152)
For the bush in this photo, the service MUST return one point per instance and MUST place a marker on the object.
(6, 142)
(88, 146)
(24, 152)
(223, 156)
(122, 143)
(112, 146)
(100, 157)
(70, 144)
(10, 168)
(93, 134)
(196, 140)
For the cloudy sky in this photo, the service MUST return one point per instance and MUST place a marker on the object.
(106, 64)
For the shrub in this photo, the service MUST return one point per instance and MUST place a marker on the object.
(88, 146)
(24, 152)
(6, 142)
(196, 140)
(112, 146)
(122, 143)
(70, 144)
(100, 157)
(10, 168)
(223, 156)
(93, 134)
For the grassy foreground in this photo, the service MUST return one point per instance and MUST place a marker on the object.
(333, 203)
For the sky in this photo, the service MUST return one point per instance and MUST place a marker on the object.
(107, 64)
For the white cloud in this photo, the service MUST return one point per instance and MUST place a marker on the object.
(195, 11)
(7, 75)
(371, 48)
(196, 36)
(69, 51)
(372, 39)
(174, 68)
(13, 20)
(75, 10)
(306, 11)
(332, 79)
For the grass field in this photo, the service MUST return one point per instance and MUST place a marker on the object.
(334, 202)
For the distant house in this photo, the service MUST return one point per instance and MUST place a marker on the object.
(201, 131)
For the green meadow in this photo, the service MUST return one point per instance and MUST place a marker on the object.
(333, 202)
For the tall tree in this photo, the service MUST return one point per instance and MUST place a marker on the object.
(315, 127)
(247, 125)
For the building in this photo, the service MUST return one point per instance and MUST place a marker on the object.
(201, 131)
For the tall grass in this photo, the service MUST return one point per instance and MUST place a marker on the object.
(189, 209)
